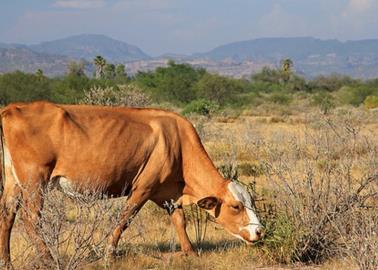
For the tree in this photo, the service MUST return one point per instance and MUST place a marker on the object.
(18, 86)
(120, 71)
(39, 74)
(286, 65)
(109, 71)
(218, 89)
(173, 83)
(76, 68)
(100, 64)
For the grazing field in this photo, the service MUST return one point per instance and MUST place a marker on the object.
(314, 178)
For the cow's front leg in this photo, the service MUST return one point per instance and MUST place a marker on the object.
(178, 220)
(133, 204)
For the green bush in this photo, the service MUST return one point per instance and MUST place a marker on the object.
(173, 83)
(18, 86)
(268, 75)
(324, 101)
(270, 80)
(330, 83)
(356, 95)
(280, 237)
(280, 98)
(200, 106)
(371, 102)
(218, 89)
(264, 87)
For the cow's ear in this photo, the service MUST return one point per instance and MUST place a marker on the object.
(208, 203)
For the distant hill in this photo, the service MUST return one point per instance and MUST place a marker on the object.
(11, 45)
(311, 56)
(295, 48)
(22, 58)
(89, 46)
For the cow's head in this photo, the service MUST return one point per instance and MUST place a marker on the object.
(234, 212)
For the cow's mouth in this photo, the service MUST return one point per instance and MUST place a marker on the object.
(251, 242)
(251, 239)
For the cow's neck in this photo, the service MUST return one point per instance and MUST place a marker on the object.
(201, 177)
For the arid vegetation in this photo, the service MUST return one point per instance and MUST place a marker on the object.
(194, 89)
(314, 178)
(306, 149)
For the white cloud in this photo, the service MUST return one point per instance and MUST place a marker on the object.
(79, 4)
(355, 20)
(145, 5)
(360, 5)
(279, 22)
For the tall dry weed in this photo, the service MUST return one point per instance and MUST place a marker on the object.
(319, 183)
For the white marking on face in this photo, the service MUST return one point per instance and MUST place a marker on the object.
(240, 194)
(8, 163)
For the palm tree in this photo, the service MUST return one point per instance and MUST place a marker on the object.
(100, 64)
(39, 74)
(286, 65)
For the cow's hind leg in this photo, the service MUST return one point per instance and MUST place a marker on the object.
(32, 203)
(8, 208)
(33, 180)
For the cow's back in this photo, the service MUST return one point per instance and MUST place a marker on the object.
(90, 145)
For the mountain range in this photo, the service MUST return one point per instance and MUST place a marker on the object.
(311, 56)
(89, 46)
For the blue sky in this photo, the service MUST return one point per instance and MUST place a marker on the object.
(186, 26)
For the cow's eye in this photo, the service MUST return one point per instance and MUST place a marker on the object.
(236, 207)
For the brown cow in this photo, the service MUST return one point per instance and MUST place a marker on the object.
(146, 154)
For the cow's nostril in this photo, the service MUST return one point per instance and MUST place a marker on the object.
(259, 231)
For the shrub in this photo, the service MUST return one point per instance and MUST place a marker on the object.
(250, 169)
(74, 229)
(268, 75)
(371, 102)
(18, 86)
(126, 95)
(314, 204)
(330, 83)
(324, 101)
(218, 89)
(280, 237)
(173, 83)
(359, 238)
(201, 107)
(280, 98)
(356, 95)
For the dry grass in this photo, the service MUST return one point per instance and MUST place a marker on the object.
(292, 164)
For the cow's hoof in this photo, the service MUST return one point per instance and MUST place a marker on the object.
(110, 256)
(190, 253)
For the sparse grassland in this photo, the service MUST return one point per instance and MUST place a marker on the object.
(314, 178)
